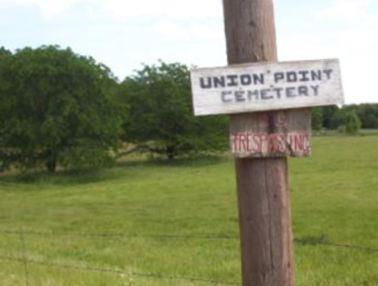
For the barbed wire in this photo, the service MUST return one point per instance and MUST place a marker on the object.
(178, 237)
(22, 233)
(115, 271)
(340, 245)
(119, 235)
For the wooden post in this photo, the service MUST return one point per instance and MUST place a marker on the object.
(262, 183)
(261, 141)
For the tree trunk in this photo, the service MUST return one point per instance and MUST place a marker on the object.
(51, 162)
(170, 152)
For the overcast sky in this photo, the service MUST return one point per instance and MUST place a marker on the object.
(123, 34)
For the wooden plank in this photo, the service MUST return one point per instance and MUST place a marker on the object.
(271, 134)
(266, 86)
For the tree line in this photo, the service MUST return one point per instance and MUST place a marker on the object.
(62, 109)
(58, 108)
(349, 118)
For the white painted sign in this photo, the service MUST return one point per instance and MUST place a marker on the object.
(266, 86)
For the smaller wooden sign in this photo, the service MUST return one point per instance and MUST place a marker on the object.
(266, 86)
(271, 134)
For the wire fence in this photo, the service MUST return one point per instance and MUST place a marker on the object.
(26, 261)
(119, 235)
(321, 241)
(114, 271)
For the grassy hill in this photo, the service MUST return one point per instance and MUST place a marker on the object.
(158, 223)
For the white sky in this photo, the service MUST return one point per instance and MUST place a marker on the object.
(125, 33)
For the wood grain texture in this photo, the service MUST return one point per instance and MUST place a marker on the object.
(264, 204)
(250, 31)
(271, 134)
(265, 222)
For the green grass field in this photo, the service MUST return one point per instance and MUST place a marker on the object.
(176, 224)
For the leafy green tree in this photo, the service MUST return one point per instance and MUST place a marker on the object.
(352, 122)
(371, 121)
(4, 52)
(328, 113)
(317, 118)
(160, 117)
(5, 57)
(368, 114)
(339, 118)
(56, 108)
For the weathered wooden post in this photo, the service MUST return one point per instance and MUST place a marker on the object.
(270, 120)
(262, 184)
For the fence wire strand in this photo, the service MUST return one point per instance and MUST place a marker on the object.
(176, 237)
(120, 235)
(115, 271)
(22, 233)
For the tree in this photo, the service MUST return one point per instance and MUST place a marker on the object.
(339, 118)
(5, 57)
(56, 108)
(352, 123)
(160, 117)
(4, 52)
(317, 118)
(368, 114)
(328, 113)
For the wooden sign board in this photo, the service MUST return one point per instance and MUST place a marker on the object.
(266, 86)
(271, 134)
